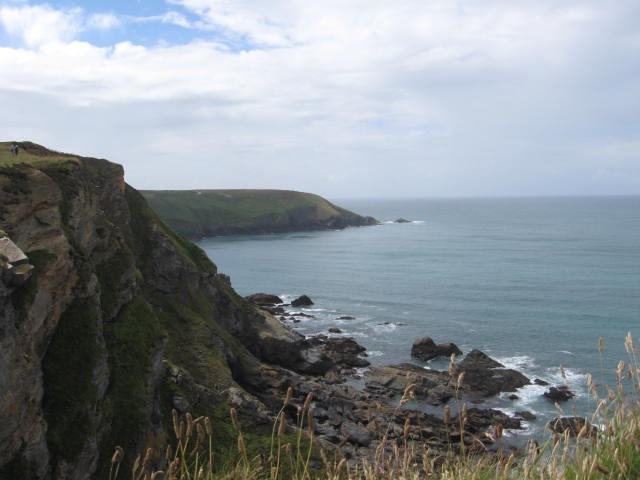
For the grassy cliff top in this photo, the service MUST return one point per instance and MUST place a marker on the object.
(218, 212)
(234, 206)
(33, 155)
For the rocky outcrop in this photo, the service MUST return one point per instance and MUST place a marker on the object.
(426, 349)
(431, 386)
(477, 375)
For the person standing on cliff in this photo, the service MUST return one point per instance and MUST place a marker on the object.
(14, 149)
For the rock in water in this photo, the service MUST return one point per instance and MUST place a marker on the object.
(571, 424)
(302, 301)
(485, 376)
(559, 394)
(402, 220)
(264, 299)
(426, 349)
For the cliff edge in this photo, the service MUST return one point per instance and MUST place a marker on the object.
(120, 321)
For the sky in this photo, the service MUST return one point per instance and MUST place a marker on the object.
(344, 98)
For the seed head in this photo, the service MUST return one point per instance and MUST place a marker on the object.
(234, 418)
(117, 455)
(288, 396)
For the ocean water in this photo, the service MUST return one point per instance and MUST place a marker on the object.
(531, 282)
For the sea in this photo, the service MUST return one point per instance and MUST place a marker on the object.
(536, 283)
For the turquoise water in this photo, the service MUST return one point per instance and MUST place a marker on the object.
(533, 283)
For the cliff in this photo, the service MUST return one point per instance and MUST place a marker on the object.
(109, 320)
(200, 213)
(120, 321)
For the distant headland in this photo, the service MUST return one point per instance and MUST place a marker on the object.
(208, 213)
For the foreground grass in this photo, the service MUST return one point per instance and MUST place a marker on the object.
(611, 451)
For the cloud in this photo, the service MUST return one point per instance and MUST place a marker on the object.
(355, 97)
(103, 21)
(41, 24)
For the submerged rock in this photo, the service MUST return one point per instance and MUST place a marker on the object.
(402, 220)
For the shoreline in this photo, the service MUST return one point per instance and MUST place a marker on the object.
(520, 427)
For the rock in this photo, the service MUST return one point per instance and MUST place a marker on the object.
(513, 396)
(333, 376)
(264, 299)
(571, 424)
(181, 404)
(319, 354)
(526, 415)
(402, 220)
(485, 418)
(426, 349)
(335, 330)
(478, 359)
(432, 386)
(484, 376)
(302, 301)
(346, 317)
(355, 434)
(540, 382)
(559, 394)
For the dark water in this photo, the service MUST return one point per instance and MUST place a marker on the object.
(532, 282)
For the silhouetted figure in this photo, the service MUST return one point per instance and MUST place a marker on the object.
(14, 149)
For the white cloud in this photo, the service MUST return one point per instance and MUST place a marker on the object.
(103, 21)
(176, 18)
(432, 96)
(38, 25)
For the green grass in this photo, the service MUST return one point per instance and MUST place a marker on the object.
(70, 393)
(234, 207)
(205, 212)
(131, 340)
(33, 155)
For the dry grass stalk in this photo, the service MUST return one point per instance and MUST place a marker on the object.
(613, 453)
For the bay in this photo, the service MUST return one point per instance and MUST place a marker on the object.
(533, 282)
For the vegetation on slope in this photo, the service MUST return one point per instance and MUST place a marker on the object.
(197, 213)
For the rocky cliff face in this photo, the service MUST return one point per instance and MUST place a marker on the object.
(121, 321)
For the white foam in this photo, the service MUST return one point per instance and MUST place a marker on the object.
(571, 375)
(384, 327)
(518, 362)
